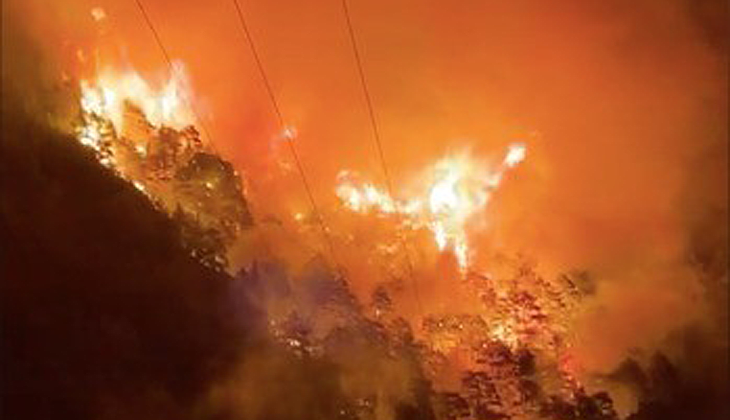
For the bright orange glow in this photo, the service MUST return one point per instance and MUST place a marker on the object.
(620, 107)
(458, 187)
(108, 94)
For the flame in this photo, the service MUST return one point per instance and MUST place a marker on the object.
(105, 103)
(363, 197)
(504, 332)
(123, 119)
(459, 188)
(108, 96)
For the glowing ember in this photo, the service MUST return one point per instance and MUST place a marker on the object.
(515, 155)
(459, 188)
(98, 14)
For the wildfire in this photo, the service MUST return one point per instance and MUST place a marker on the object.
(111, 92)
(459, 188)
(118, 105)
(146, 135)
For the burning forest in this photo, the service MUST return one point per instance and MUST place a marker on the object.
(364, 210)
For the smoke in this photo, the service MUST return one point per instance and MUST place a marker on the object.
(105, 315)
(622, 106)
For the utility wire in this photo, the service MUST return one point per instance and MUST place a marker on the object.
(366, 94)
(170, 67)
(168, 60)
(289, 139)
(376, 137)
(259, 64)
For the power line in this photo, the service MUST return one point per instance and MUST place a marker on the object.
(376, 137)
(168, 60)
(259, 65)
(166, 55)
(368, 100)
(289, 138)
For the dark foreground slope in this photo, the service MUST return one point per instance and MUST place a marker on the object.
(102, 309)
(105, 315)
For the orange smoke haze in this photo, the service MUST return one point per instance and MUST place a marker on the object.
(621, 105)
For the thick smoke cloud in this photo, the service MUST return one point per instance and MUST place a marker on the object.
(106, 316)
(623, 106)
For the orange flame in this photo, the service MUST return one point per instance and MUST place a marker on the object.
(107, 95)
(459, 188)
